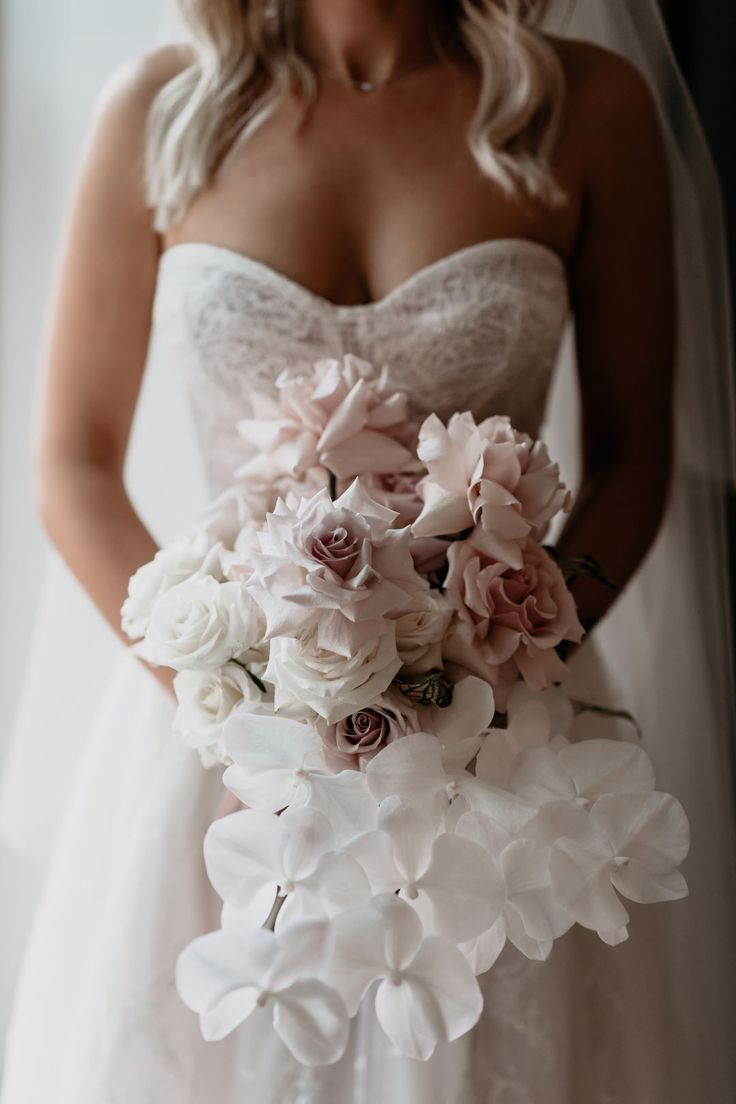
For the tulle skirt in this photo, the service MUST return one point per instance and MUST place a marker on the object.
(97, 1019)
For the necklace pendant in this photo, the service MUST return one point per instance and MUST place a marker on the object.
(365, 86)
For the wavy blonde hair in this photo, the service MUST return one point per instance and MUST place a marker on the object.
(246, 62)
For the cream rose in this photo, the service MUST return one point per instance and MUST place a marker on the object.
(332, 685)
(419, 634)
(201, 624)
(195, 555)
(205, 701)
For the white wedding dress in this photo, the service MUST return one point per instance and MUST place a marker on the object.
(97, 1019)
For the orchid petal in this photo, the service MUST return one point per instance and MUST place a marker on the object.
(411, 767)
(242, 857)
(652, 828)
(412, 834)
(303, 946)
(457, 884)
(482, 952)
(219, 976)
(582, 883)
(526, 868)
(312, 1021)
(606, 766)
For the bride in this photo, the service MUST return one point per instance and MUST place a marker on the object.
(445, 187)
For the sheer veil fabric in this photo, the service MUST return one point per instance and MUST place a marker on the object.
(666, 644)
(668, 638)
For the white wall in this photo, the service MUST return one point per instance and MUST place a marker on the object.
(54, 57)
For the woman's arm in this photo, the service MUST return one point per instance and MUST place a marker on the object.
(95, 345)
(624, 297)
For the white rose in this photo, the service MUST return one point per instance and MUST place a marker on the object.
(419, 635)
(201, 624)
(194, 555)
(332, 685)
(205, 701)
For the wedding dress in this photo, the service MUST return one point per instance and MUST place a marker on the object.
(97, 1019)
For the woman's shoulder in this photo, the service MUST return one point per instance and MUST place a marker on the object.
(130, 89)
(600, 80)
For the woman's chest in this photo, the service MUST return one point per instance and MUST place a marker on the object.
(364, 194)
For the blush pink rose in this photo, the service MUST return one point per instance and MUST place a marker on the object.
(509, 620)
(398, 491)
(490, 476)
(353, 741)
(342, 414)
(339, 569)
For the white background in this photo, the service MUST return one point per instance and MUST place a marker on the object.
(54, 58)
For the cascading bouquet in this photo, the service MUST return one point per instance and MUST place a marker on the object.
(347, 622)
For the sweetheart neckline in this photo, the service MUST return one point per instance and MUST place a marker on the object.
(420, 274)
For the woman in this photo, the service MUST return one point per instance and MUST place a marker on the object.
(459, 185)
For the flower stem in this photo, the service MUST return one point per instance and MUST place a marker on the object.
(254, 678)
(278, 904)
(604, 711)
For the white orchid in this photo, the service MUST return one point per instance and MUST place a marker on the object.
(519, 883)
(581, 772)
(536, 718)
(231, 976)
(252, 856)
(461, 726)
(443, 876)
(414, 770)
(279, 762)
(427, 993)
(631, 842)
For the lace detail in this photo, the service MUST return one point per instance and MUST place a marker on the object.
(477, 330)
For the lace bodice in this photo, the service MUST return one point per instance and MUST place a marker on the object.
(477, 330)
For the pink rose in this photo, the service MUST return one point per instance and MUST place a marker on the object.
(398, 491)
(339, 569)
(490, 476)
(343, 415)
(352, 742)
(509, 620)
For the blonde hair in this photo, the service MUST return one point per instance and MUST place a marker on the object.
(246, 63)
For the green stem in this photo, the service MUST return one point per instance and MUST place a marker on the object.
(603, 711)
(576, 567)
(254, 678)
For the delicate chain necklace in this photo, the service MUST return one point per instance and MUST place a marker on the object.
(373, 86)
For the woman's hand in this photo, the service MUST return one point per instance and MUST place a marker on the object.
(228, 804)
(165, 676)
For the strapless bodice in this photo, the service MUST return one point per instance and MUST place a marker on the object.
(476, 330)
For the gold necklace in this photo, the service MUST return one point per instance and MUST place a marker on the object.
(373, 86)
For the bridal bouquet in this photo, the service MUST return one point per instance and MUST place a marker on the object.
(366, 628)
